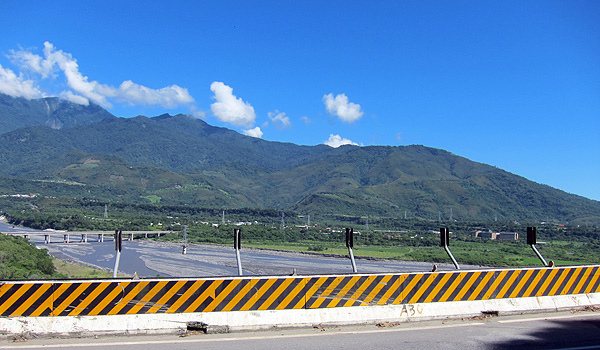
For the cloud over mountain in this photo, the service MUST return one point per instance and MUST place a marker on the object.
(17, 86)
(336, 141)
(256, 132)
(81, 88)
(229, 108)
(341, 107)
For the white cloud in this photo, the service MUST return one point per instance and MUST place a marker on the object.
(279, 119)
(336, 141)
(231, 109)
(399, 136)
(36, 63)
(256, 132)
(197, 113)
(168, 97)
(17, 86)
(46, 67)
(70, 96)
(340, 106)
(306, 120)
(82, 88)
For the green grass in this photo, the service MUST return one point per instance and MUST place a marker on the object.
(154, 199)
(469, 253)
(70, 270)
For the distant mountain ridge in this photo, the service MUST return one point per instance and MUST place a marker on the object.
(183, 160)
(50, 111)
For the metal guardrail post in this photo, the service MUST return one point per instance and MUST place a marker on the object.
(350, 245)
(532, 240)
(237, 245)
(118, 246)
(444, 242)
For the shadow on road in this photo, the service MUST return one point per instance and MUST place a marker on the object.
(561, 334)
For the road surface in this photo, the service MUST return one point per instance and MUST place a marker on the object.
(566, 330)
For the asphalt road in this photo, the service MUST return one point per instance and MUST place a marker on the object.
(564, 330)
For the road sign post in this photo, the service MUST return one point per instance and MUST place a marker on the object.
(118, 247)
(237, 245)
(350, 245)
(445, 242)
(532, 241)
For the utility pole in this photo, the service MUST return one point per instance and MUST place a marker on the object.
(223, 216)
(105, 211)
(367, 222)
(282, 220)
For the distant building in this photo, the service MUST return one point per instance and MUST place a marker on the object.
(484, 234)
(508, 236)
(489, 234)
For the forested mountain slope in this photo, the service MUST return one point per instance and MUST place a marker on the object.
(179, 159)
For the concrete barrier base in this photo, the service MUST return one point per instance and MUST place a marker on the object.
(257, 320)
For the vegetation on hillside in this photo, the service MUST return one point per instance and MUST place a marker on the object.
(20, 259)
(178, 160)
(63, 164)
(385, 237)
(18, 112)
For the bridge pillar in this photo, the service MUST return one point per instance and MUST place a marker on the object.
(26, 236)
(84, 237)
(100, 237)
(66, 238)
(146, 235)
(131, 237)
(46, 239)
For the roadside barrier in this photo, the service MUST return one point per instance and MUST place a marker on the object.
(172, 296)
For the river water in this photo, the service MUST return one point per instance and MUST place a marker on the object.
(148, 258)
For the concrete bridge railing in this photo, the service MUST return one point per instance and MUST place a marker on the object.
(68, 237)
(169, 305)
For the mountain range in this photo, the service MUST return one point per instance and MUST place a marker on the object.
(88, 152)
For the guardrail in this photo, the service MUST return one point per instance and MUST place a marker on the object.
(130, 297)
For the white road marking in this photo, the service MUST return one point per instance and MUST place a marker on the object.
(205, 340)
(549, 318)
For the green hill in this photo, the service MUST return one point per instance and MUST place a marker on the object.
(182, 160)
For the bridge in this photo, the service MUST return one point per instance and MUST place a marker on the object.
(67, 236)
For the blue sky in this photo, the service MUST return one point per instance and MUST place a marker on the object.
(514, 84)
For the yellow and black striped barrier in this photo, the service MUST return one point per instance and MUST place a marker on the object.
(120, 297)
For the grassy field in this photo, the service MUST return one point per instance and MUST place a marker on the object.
(71, 270)
(465, 252)
(473, 253)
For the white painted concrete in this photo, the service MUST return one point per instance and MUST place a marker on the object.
(253, 320)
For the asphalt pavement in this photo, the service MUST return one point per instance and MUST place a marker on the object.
(565, 330)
